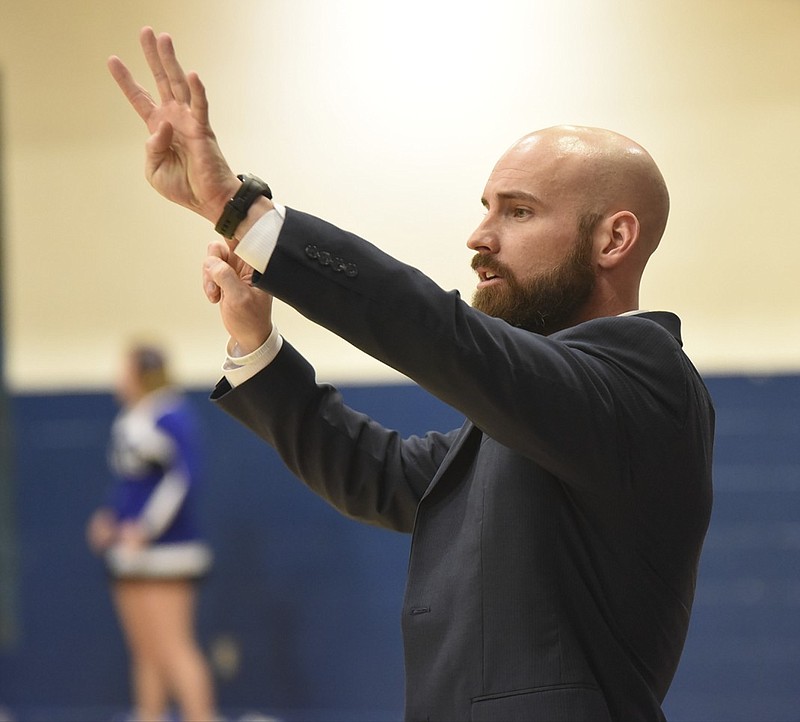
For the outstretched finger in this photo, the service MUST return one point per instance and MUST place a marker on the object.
(147, 39)
(137, 96)
(173, 69)
(198, 99)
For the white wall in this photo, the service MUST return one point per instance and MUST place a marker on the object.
(386, 118)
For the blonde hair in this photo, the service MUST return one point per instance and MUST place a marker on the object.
(150, 365)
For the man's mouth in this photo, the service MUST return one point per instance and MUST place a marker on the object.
(486, 277)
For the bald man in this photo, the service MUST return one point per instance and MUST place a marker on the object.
(556, 534)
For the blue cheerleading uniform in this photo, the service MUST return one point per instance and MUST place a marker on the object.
(155, 457)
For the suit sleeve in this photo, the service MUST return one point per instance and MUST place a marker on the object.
(560, 400)
(362, 469)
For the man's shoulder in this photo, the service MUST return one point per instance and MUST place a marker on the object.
(642, 341)
(664, 324)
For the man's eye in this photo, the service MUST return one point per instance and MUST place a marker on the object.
(521, 212)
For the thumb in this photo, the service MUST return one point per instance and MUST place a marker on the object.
(160, 141)
(220, 279)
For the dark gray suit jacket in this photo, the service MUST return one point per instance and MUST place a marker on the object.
(556, 535)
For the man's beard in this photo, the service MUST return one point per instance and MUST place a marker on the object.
(548, 302)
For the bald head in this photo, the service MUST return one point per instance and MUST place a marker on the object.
(572, 216)
(602, 172)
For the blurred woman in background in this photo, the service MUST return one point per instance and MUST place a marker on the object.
(148, 535)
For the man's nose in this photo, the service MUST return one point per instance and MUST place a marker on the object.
(484, 238)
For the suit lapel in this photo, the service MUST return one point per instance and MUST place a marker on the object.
(468, 439)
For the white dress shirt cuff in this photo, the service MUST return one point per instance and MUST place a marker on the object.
(256, 246)
(238, 369)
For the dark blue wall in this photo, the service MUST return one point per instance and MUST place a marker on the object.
(312, 600)
(742, 659)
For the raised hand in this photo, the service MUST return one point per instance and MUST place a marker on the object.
(245, 310)
(183, 160)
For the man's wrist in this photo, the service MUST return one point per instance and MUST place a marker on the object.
(236, 210)
(239, 367)
(245, 348)
(215, 208)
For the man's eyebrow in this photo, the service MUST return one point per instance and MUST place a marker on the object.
(514, 196)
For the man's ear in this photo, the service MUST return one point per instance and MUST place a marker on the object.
(619, 234)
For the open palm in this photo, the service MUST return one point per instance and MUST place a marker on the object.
(183, 160)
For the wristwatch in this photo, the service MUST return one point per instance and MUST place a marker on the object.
(236, 208)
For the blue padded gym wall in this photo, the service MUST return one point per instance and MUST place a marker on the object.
(301, 613)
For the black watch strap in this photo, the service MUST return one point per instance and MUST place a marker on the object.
(236, 208)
